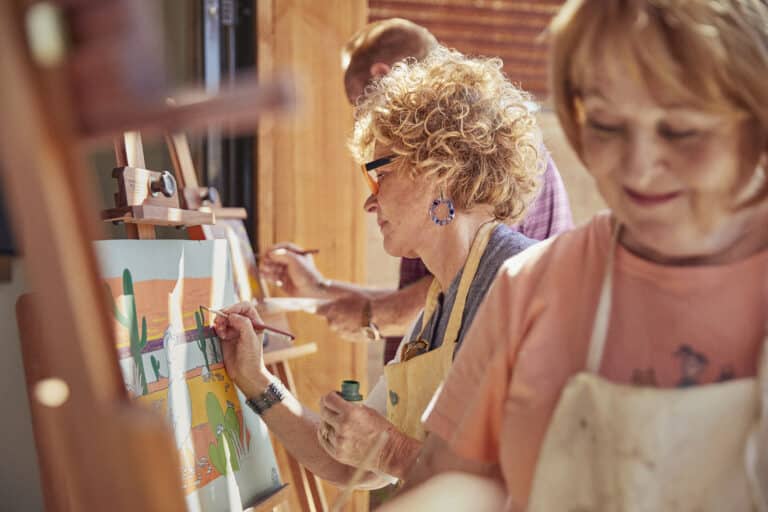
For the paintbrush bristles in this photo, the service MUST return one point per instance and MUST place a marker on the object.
(216, 311)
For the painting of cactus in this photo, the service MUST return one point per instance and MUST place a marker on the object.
(227, 429)
(216, 358)
(156, 288)
(203, 341)
(126, 315)
(155, 367)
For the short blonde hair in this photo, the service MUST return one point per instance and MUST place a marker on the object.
(386, 41)
(714, 54)
(459, 121)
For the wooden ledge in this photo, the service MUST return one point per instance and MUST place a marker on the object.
(270, 501)
(157, 215)
(277, 355)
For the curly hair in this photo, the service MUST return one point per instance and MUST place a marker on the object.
(456, 120)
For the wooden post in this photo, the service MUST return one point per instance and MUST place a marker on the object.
(93, 443)
(309, 190)
(76, 394)
(129, 152)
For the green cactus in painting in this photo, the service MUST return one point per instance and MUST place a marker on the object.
(200, 327)
(226, 428)
(202, 341)
(130, 321)
(155, 366)
(216, 357)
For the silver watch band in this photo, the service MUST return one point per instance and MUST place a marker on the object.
(273, 394)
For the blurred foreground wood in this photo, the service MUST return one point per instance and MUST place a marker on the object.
(93, 444)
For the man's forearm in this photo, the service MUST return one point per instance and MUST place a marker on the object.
(332, 289)
(394, 312)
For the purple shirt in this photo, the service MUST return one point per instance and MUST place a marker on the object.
(548, 215)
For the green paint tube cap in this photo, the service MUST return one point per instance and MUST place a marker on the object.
(350, 391)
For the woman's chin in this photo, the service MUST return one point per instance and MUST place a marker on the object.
(397, 250)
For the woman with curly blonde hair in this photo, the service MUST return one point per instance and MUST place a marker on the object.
(450, 152)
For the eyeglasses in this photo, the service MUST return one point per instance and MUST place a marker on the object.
(370, 178)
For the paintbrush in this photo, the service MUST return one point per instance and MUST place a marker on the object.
(280, 251)
(301, 252)
(256, 325)
(357, 476)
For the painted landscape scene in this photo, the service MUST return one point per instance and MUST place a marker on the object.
(171, 362)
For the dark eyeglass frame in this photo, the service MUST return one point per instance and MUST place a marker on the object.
(366, 169)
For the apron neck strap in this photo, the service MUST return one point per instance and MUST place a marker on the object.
(762, 378)
(603, 313)
(468, 274)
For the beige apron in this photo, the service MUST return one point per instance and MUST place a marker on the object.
(411, 383)
(615, 447)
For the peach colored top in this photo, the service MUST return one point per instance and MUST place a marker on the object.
(670, 326)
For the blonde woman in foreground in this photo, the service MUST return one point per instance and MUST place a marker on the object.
(622, 366)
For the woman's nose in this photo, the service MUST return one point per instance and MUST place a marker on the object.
(644, 159)
(370, 205)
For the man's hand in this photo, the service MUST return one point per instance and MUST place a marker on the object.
(348, 431)
(345, 317)
(295, 273)
(242, 348)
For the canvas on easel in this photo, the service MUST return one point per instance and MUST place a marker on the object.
(171, 361)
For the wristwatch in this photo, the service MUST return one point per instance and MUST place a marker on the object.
(273, 394)
(370, 329)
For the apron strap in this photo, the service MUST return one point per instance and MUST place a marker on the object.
(603, 313)
(429, 306)
(762, 379)
(468, 275)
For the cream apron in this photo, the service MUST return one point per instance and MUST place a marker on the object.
(614, 447)
(411, 383)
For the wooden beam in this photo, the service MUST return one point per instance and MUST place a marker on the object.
(89, 427)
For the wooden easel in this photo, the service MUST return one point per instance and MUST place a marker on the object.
(306, 484)
(92, 442)
(142, 205)
(146, 198)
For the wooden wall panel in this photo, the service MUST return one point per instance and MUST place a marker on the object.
(509, 29)
(309, 189)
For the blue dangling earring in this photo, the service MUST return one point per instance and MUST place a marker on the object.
(436, 204)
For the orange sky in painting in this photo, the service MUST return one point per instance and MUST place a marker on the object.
(152, 302)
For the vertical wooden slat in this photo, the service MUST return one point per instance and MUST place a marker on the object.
(264, 182)
(129, 152)
(309, 191)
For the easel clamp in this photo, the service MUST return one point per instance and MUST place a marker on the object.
(151, 197)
